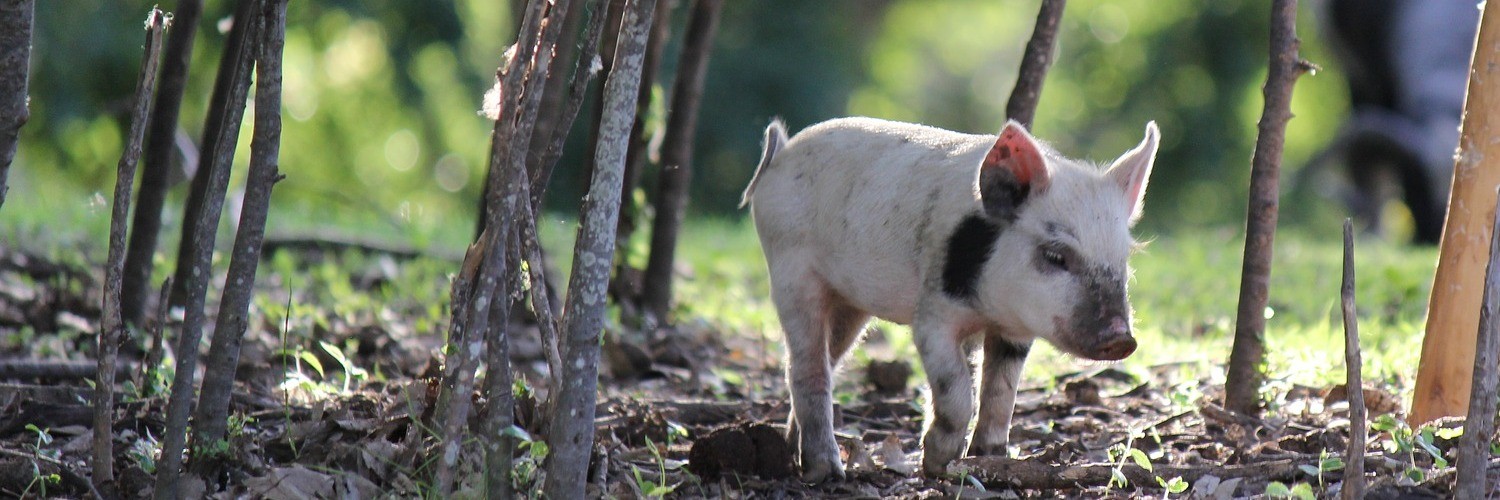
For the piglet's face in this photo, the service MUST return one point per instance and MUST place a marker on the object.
(1057, 269)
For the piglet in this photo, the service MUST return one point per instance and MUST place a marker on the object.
(978, 242)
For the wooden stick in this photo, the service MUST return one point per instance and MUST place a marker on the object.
(1444, 374)
(1242, 385)
(1354, 475)
(572, 408)
(1023, 98)
(1479, 428)
(211, 419)
(195, 265)
(112, 327)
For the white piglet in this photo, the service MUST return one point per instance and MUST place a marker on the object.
(976, 241)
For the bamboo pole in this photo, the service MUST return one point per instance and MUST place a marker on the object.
(1444, 374)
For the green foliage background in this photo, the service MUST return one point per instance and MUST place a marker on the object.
(381, 129)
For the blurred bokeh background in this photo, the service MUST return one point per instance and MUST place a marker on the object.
(381, 100)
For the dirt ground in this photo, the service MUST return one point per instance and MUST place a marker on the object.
(685, 412)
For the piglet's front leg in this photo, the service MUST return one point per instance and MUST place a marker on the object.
(1003, 360)
(950, 404)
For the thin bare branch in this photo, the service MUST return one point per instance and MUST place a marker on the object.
(195, 268)
(572, 411)
(112, 327)
(1242, 386)
(1028, 91)
(210, 422)
(1354, 476)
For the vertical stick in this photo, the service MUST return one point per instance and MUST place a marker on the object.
(677, 160)
(572, 411)
(1444, 374)
(227, 85)
(1479, 428)
(112, 328)
(15, 65)
(156, 165)
(1023, 98)
(1242, 386)
(198, 264)
(211, 419)
(1354, 475)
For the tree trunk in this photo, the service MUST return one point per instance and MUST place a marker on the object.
(1242, 386)
(15, 66)
(572, 412)
(677, 160)
(145, 227)
(1443, 376)
(214, 126)
(196, 265)
(211, 420)
(112, 328)
(1023, 98)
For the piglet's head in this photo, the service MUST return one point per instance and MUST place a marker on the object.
(1059, 233)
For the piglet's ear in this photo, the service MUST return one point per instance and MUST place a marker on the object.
(1133, 169)
(1013, 169)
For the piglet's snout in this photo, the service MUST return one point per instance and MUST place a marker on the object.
(1115, 343)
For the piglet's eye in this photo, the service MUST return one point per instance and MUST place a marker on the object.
(1054, 258)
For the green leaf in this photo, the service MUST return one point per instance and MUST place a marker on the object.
(1277, 490)
(311, 360)
(338, 354)
(1309, 470)
(539, 450)
(1331, 464)
(1304, 491)
(1384, 423)
(1140, 458)
(1176, 485)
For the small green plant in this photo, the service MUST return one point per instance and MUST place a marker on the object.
(38, 454)
(660, 488)
(144, 452)
(1325, 465)
(1300, 491)
(1404, 441)
(524, 470)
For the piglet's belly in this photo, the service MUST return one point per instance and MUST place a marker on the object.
(886, 295)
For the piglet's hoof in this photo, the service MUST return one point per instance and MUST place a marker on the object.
(815, 471)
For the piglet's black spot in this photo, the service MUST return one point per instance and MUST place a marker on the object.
(968, 248)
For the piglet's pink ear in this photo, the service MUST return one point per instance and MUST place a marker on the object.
(1017, 153)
